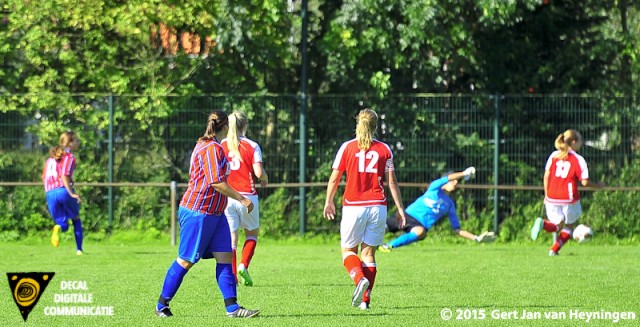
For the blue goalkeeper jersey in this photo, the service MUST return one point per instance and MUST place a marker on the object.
(433, 205)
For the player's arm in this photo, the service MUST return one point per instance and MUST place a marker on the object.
(223, 188)
(545, 182)
(466, 174)
(66, 181)
(589, 183)
(261, 174)
(464, 234)
(394, 188)
(329, 211)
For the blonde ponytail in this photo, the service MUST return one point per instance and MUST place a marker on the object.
(366, 125)
(564, 141)
(238, 124)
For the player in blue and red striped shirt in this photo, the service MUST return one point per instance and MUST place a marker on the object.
(204, 231)
(62, 200)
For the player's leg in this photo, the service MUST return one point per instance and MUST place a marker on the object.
(78, 233)
(374, 236)
(391, 227)
(251, 223)
(352, 229)
(232, 212)
(414, 232)
(220, 247)
(572, 212)
(73, 211)
(55, 202)
(554, 222)
(188, 254)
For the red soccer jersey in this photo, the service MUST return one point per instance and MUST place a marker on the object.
(365, 172)
(67, 164)
(564, 177)
(208, 166)
(241, 175)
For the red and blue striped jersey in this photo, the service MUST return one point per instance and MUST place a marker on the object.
(54, 170)
(208, 166)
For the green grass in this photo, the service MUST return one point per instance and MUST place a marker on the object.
(302, 283)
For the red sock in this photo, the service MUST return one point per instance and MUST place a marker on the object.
(247, 251)
(369, 269)
(233, 264)
(550, 227)
(354, 267)
(564, 236)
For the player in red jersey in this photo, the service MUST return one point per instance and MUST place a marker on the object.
(368, 163)
(204, 231)
(245, 161)
(62, 199)
(564, 170)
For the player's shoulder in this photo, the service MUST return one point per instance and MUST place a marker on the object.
(381, 145)
(253, 144)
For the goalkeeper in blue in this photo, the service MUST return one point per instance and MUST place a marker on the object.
(425, 211)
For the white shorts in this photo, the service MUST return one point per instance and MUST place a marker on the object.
(362, 225)
(567, 213)
(237, 215)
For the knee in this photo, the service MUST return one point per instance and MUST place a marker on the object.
(421, 232)
(184, 263)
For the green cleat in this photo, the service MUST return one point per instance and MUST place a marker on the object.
(537, 227)
(385, 248)
(243, 276)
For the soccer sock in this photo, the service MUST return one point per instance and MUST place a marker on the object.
(77, 231)
(354, 266)
(549, 226)
(248, 249)
(404, 239)
(565, 235)
(369, 269)
(234, 263)
(227, 284)
(172, 282)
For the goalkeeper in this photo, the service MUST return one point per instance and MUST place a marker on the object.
(425, 211)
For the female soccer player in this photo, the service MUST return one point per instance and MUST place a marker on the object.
(367, 163)
(565, 169)
(245, 161)
(204, 231)
(425, 211)
(62, 199)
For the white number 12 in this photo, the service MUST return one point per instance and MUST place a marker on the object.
(372, 156)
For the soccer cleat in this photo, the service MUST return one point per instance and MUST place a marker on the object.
(79, 252)
(244, 277)
(55, 238)
(385, 248)
(553, 253)
(243, 313)
(537, 227)
(486, 237)
(362, 286)
(164, 313)
(364, 306)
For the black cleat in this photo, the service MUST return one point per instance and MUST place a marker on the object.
(164, 313)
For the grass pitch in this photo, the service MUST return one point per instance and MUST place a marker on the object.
(304, 284)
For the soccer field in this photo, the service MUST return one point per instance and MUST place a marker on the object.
(305, 284)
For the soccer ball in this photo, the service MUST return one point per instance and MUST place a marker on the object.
(582, 233)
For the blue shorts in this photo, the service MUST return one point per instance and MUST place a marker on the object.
(62, 207)
(202, 234)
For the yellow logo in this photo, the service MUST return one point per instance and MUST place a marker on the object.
(27, 289)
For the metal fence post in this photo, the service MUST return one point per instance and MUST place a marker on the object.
(174, 186)
(110, 168)
(496, 158)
